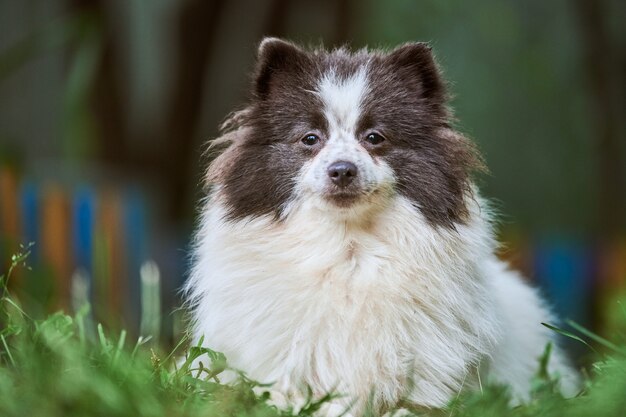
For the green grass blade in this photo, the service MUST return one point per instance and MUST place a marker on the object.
(178, 345)
(120, 346)
(568, 334)
(596, 338)
(7, 350)
(103, 340)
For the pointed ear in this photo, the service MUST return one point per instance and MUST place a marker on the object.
(275, 56)
(415, 61)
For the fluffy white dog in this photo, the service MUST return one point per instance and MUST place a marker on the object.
(342, 245)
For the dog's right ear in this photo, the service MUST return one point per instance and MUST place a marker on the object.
(275, 56)
(415, 61)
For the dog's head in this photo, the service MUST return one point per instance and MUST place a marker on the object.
(345, 130)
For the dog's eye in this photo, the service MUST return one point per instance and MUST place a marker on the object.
(374, 138)
(310, 140)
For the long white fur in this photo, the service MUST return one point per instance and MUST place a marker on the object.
(370, 301)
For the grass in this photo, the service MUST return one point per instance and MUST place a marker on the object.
(67, 366)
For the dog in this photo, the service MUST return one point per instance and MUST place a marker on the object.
(343, 246)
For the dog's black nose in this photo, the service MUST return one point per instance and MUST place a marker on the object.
(342, 172)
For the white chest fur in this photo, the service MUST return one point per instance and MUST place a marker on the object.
(358, 307)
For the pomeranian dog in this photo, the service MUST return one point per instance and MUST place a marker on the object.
(343, 246)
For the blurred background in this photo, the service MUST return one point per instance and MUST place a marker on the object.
(106, 107)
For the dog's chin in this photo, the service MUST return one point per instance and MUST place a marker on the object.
(353, 197)
(350, 202)
(344, 199)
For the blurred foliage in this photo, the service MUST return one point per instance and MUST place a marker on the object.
(81, 33)
(518, 79)
(79, 127)
(518, 73)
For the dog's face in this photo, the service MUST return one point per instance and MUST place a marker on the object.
(347, 131)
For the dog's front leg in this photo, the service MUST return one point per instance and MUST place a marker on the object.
(296, 402)
(281, 400)
(401, 412)
(333, 410)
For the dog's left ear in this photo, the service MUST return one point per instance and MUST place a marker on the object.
(276, 56)
(415, 61)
